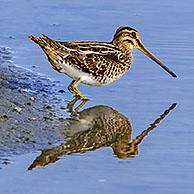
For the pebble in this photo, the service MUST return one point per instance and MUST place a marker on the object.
(17, 109)
(33, 118)
(32, 99)
(61, 91)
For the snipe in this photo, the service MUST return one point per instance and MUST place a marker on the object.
(95, 63)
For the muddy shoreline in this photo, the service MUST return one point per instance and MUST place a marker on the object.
(31, 116)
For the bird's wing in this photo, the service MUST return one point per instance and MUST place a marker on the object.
(92, 57)
(88, 56)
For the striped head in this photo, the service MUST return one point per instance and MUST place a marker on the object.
(129, 38)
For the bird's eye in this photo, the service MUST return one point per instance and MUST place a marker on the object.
(133, 34)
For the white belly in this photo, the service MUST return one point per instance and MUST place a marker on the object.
(77, 74)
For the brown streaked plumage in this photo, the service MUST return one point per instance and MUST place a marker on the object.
(94, 63)
(94, 128)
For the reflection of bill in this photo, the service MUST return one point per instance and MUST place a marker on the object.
(99, 126)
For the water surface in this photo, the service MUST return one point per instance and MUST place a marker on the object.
(165, 160)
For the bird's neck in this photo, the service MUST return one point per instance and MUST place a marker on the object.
(126, 49)
(123, 46)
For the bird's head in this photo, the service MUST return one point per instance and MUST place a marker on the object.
(131, 39)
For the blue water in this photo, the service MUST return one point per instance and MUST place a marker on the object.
(166, 156)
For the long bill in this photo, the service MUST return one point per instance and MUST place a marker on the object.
(151, 56)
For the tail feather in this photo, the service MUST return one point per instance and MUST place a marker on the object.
(45, 42)
(53, 50)
(37, 40)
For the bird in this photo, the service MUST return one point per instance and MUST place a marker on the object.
(95, 63)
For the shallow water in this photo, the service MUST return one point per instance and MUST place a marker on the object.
(165, 160)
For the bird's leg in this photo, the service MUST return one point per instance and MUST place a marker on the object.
(73, 89)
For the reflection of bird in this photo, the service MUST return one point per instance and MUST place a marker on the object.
(99, 126)
(94, 63)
